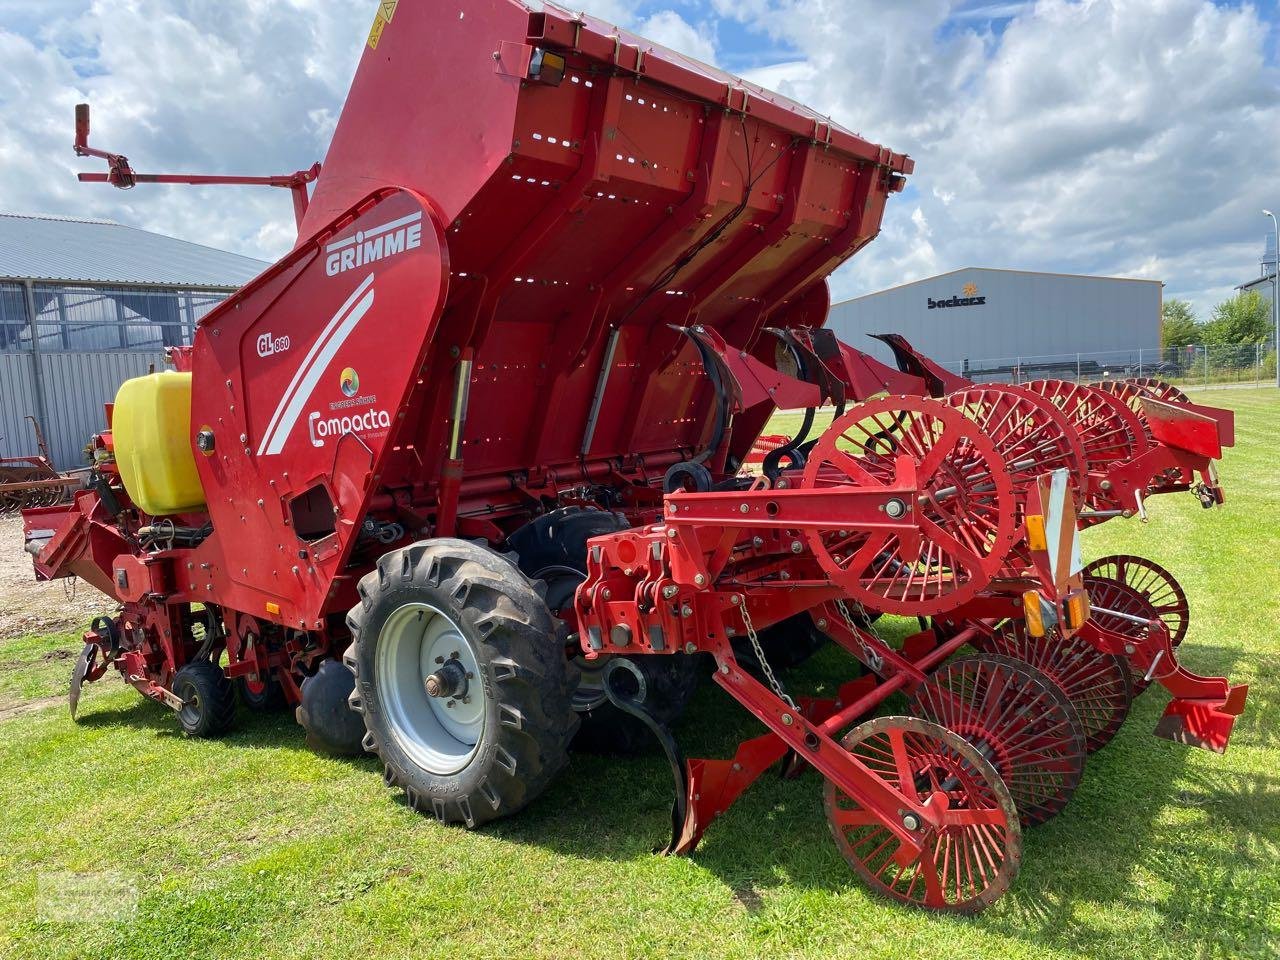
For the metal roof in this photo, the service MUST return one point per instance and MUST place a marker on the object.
(1028, 273)
(40, 247)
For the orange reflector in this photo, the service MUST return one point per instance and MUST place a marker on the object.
(1036, 538)
(1033, 614)
(273, 608)
(1077, 610)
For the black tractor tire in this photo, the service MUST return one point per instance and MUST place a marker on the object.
(523, 721)
(209, 699)
(553, 549)
(325, 712)
(265, 696)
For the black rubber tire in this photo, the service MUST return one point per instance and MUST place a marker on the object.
(210, 699)
(528, 720)
(786, 644)
(267, 699)
(559, 539)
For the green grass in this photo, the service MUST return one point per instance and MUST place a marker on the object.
(253, 847)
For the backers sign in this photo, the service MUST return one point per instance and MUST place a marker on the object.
(968, 298)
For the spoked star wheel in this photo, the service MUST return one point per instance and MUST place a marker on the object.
(1017, 718)
(1097, 684)
(1156, 585)
(963, 510)
(1165, 392)
(964, 865)
(1109, 431)
(1131, 394)
(1031, 434)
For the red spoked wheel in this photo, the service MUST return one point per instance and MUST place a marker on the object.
(967, 863)
(1156, 585)
(1032, 435)
(1097, 684)
(1109, 431)
(1107, 595)
(964, 509)
(1019, 719)
(1165, 392)
(1131, 394)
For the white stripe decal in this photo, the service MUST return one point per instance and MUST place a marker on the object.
(305, 368)
(314, 366)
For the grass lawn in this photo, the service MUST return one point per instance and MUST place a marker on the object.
(119, 838)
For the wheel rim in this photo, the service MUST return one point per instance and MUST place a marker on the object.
(1156, 585)
(966, 864)
(438, 733)
(1018, 719)
(1097, 684)
(191, 705)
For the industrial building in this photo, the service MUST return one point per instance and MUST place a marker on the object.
(84, 306)
(1265, 284)
(1002, 324)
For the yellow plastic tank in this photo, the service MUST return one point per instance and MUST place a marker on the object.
(151, 427)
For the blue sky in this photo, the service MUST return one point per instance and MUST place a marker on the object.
(1126, 137)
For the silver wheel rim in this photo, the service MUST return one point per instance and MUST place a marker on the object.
(439, 734)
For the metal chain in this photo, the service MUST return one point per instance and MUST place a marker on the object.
(760, 657)
(874, 660)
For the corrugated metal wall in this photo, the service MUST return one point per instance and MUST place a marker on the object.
(78, 370)
(1024, 315)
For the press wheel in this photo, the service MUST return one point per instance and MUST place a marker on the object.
(966, 864)
(1017, 718)
(1156, 584)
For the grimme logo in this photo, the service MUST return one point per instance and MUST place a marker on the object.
(376, 243)
(350, 382)
(269, 346)
(970, 298)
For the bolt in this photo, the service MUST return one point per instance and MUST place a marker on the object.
(796, 546)
(1129, 648)
(608, 594)
(757, 542)
(911, 821)
(822, 623)
(671, 533)
(244, 438)
(672, 507)
(788, 719)
(724, 668)
(669, 591)
(1106, 484)
(700, 580)
(895, 508)
(262, 503)
(686, 611)
(744, 509)
(736, 599)
(690, 647)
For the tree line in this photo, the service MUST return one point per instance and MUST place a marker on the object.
(1244, 318)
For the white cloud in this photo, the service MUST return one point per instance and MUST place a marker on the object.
(1114, 136)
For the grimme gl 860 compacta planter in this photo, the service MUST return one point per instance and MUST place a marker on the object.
(459, 477)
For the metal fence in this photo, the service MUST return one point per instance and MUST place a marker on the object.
(85, 342)
(1196, 365)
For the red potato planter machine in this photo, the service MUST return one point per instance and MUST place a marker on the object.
(459, 477)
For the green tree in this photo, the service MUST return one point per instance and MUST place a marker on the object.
(1245, 318)
(1178, 324)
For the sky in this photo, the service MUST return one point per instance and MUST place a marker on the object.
(1136, 138)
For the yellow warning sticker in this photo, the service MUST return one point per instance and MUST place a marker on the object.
(386, 10)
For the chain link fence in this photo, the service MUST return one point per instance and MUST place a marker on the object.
(1206, 365)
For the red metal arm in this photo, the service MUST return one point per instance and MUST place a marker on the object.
(123, 176)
